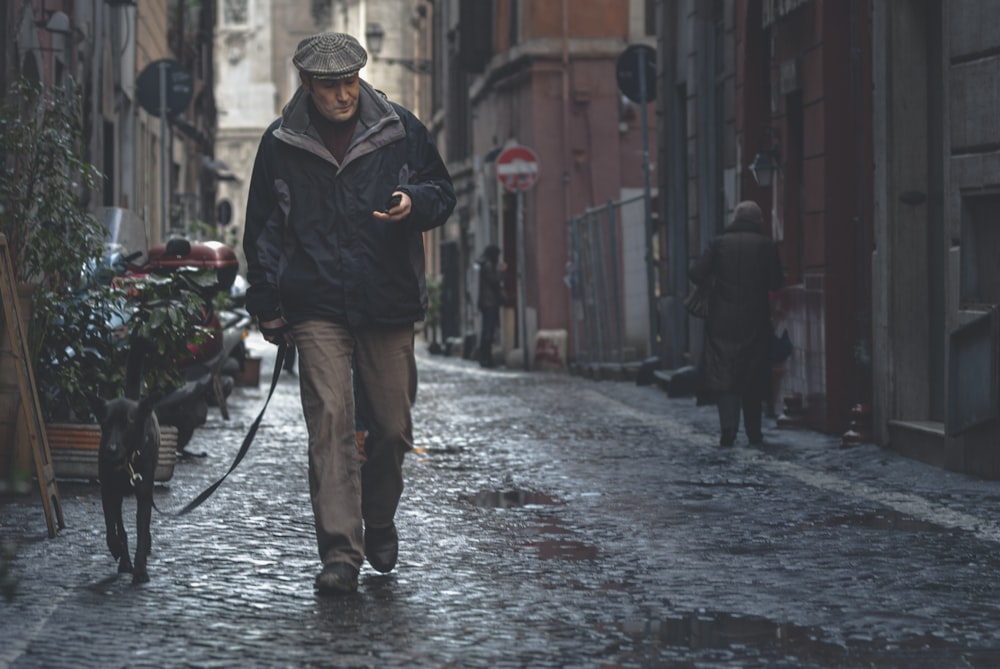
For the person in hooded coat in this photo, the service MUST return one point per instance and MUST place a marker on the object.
(742, 266)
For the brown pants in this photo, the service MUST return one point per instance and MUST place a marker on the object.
(343, 493)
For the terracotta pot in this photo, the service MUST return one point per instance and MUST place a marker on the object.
(74, 449)
(73, 435)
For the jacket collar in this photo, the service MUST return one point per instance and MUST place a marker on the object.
(378, 124)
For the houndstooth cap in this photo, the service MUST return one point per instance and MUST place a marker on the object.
(330, 56)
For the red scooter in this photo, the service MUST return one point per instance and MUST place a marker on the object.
(212, 362)
(209, 370)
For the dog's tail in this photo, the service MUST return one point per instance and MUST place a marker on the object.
(134, 367)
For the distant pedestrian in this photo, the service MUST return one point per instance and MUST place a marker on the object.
(336, 267)
(491, 297)
(742, 265)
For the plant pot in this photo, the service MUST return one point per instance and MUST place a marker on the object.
(74, 449)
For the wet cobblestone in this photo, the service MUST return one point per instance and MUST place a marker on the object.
(548, 521)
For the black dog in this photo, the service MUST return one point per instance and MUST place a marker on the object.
(126, 465)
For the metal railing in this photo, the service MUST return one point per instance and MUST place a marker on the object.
(595, 278)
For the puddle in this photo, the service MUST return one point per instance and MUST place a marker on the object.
(551, 541)
(510, 499)
(886, 519)
(724, 630)
(438, 450)
(560, 549)
(773, 644)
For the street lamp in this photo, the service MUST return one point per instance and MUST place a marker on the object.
(375, 36)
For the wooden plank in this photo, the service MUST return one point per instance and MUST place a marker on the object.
(29, 395)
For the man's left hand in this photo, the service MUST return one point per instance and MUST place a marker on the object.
(397, 213)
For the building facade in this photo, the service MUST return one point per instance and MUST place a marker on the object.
(937, 208)
(540, 75)
(878, 120)
(158, 168)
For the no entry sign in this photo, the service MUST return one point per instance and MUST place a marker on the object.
(517, 168)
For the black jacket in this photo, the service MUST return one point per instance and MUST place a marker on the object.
(743, 266)
(313, 248)
(490, 284)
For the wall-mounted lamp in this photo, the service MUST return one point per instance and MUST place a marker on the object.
(765, 165)
(763, 168)
(375, 36)
(57, 23)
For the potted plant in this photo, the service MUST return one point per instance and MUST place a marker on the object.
(81, 320)
(85, 352)
(89, 332)
(42, 177)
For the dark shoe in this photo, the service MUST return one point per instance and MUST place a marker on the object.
(382, 547)
(756, 440)
(337, 578)
(727, 439)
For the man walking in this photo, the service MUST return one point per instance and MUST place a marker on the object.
(337, 267)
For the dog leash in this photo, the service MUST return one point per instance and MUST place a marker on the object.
(279, 362)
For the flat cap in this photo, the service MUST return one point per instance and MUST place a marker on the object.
(330, 55)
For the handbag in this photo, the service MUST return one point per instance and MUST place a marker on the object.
(697, 301)
(781, 347)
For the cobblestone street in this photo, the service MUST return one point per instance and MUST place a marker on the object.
(548, 521)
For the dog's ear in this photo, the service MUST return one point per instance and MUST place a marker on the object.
(99, 406)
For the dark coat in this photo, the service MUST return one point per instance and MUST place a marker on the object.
(490, 284)
(313, 248)
(744, 266)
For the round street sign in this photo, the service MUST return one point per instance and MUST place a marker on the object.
(627, 72)
(180, 87)
(517, 168)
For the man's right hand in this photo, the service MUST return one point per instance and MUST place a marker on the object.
(276, 331)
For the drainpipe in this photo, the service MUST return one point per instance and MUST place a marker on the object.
(566, 162)
(860, 428)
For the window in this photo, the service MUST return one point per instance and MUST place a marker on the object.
(980, 250)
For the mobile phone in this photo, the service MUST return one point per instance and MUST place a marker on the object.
(393, 202)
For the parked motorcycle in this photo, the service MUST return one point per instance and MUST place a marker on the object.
(208, 369)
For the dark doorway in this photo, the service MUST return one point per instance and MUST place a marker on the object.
(451, 286)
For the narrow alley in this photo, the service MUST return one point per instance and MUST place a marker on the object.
(548, 521)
